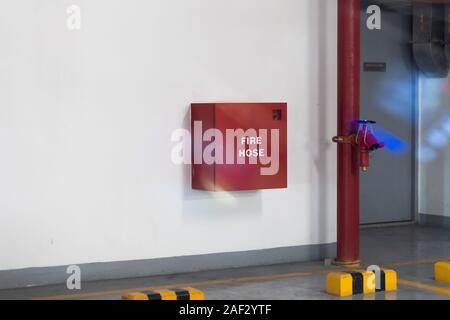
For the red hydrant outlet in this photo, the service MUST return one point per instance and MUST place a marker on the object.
(366, 142)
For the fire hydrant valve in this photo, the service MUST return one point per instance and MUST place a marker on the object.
(366, 142)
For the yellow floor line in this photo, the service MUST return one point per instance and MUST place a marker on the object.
(414, 262)
(219, 282)
(423, 286)
(181, 285)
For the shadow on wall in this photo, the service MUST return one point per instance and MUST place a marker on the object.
(320, 142)
(203, 206)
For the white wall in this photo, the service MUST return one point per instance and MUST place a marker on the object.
(434, 147)
(86, 119)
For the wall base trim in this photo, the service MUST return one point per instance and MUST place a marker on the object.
(32, 277)
(434, 220)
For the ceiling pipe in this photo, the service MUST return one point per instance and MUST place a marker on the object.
(430, 46)
(348, 114)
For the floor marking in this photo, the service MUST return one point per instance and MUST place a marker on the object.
(235, 280)
(423, 286)
(192, 284)
(414, 262)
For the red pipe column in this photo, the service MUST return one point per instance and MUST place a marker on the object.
(348, 111)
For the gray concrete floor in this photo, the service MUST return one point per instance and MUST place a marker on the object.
(410, 250)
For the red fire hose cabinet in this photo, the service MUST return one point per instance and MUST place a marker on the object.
(239, 146)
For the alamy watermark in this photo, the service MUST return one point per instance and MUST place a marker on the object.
(374, 278)
(234, 146)
(73, 21)
(74, 280)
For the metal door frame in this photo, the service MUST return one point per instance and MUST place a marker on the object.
(415, 129)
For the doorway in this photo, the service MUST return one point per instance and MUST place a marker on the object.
(388, 96)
